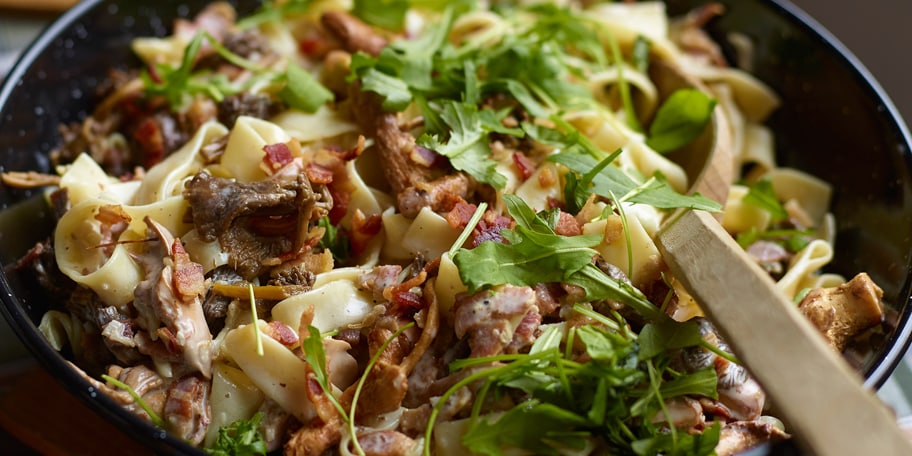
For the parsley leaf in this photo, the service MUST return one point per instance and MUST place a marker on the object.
(241, 438)
(680, 120)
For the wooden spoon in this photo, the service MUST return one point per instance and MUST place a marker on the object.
(815, 392)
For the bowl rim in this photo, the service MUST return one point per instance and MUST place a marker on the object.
(887, 362)
(12, 309)
(143, 431)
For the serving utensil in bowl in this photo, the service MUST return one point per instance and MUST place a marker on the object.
(55, 80)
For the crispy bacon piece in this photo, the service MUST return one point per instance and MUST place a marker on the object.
(524, 165)
(364, 229)
(486, 317)
(567, 225)
(386, 443)
(318, 174)
(459, 217)
(187, 413)
(277, 156)
(189, 279)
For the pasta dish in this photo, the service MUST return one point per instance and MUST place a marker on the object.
(427, 227)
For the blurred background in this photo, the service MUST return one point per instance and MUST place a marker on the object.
(879, 33)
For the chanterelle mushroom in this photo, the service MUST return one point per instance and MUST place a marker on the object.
(842, 312)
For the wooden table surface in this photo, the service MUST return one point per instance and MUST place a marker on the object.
(38, 416)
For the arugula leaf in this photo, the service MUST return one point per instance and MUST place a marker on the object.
(614, 181)
(532, 426)
(703, 382)
(680, 120)
(658, 336)
(389, 14)
(303, 91)
(535, 254)
(761, 195)
(467, 146)
(241, 438)
(402, 67)
(697, 444)
(274, 11)
(175, 83)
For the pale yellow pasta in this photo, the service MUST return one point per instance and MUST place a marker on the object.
(306, 127)
(537, 195)
(337, 304)
(626, 21)
(755, 99)
(278, 373)
(84, 179)
(740, 216)
(619, 247)
(757, 148)
(609, 135)
(168, 50)
(811, 193)
(447, 286)
(166, 179)
(804, 266)
(208, 254)
(238, 398)
(643, 92)
(429, 235)
(244, 151)
(60, 329)
(78, 255)
(478, 28)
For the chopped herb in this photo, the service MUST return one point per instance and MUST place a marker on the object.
(535, 254)
(255, 318)
(315, 356)
(640, 55)
(241, 438)
(473, 222)
(612, 396)
(360, 385)
(334, 241)
(680, 120)
(156, 420)
(303, 91)
(274, 11)
(389, 14)
(761, 195)
(611, 180)
(467, 146)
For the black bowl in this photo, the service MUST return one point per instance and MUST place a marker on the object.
(836, 122)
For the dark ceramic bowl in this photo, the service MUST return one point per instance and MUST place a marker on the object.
(835, 122)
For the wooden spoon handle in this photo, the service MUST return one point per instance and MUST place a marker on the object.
(822, 400)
